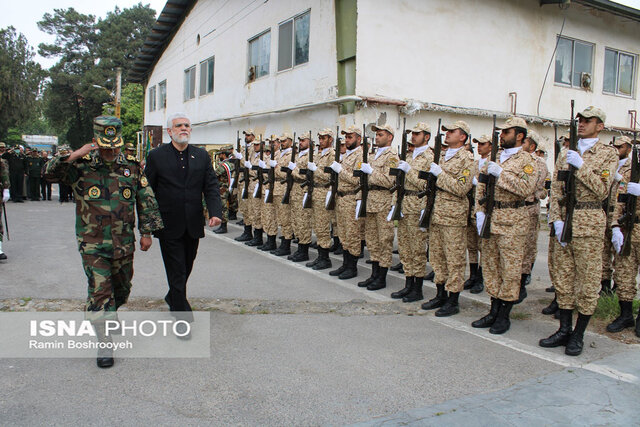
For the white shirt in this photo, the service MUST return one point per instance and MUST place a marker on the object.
(301, 153)
(482, 161)
(348, 152)
(508, 152)
(325, 150)
(586, 144)
(379, 152)
(285, 151)
(621, 163)
(450, 153)
(419, 150)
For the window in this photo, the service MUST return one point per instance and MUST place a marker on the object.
(190, 83)
(152, 98)
(259, 51)
(162, 94)
(619, 72)
(206, 76)
(293, 42)
(573, 58)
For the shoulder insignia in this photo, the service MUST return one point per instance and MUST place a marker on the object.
(143, 181)
(528, 169)
(126, 173)
(126, 193)
(94, 192)
(462, 180)
(86, 157)
(605, 174)
(358, 165)
(393, 162)
(466, 172)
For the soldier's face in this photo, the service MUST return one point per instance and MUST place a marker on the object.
(623, 151)
(528, 145)
(351, 140)
(589, 128)
(455, 138)
(484, 148)
(324, 141)
(286, 143)
(109, 154)
(180, 131)
(343, 148)
(304, 144)
(383, 138)
(508, 138)
(249, 138)
(419, 139)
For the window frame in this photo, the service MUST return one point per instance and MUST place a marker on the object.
(254, 38)
(192, 92)
(152, 90)
(162, 102)
(634, 77)
(293, 42)
(212, 61)
(573, 61)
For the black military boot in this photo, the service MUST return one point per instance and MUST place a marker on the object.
(605, 286)
(439, 300)
(380, 282)
(339, 250)
(450, 307)
(468, 284)
(430, 276)
(302, 254)
(523, 289)
(284, 249)
(415, 294)
(336, 243)
(561, 336)
(527, 279)
(342, 268)
(222, 229)
(314, 262)
(502, 323)
(638, 325)
(375, 269)
(233, 215)
(396, 267)
(551, 308)
(408, 285)
(489, 319)
(105, 355)
(625, 320)
(324, 261)
(576, 340)
(550, 289)
(246, 235)
(271, 244)
(362, 245)
(241, 222)
(257, 238)
(352, 267)
(478, 286)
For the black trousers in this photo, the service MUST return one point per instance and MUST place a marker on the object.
(178, 256)
(16, 181)
(45, 189)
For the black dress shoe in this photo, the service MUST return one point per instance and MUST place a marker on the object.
(104, 362)
(3, 255)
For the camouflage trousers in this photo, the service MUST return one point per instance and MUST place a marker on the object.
(283, 216)
(244, 207)
(626, 270)
(551, 258)
(577, 274)
(531, 241)
(412, 246)
(1, 224)
(447, 247)
(109, 283)
(502, 265)
(300, 217)
(349, 228)
(379, 235)
(255, 208)
(224, 198)
(607, 256)
(473, 244)
(269, 218)
(321, 219)
(233, 201)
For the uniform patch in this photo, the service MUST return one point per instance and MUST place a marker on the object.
(359, 165)
(528, 169)
(126, 173)
(393, 162)
(143, 181)
(605, 174)
(126, 193)
(94, 192)
(466, 172)
(462, 180)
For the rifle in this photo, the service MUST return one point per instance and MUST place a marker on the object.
(488, 200)
(309, 183)
(245, 174)
(430, 191)
(259, 171)
(6, 222)
(400, 176)
(364, 178)
(628, 220)
(236, 168)
(570, 183)
(289, 179)
(331, 202)
(556, 146)
(271, 176)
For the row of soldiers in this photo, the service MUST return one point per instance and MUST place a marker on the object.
(29, 163)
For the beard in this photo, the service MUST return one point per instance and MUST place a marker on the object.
(180, 139)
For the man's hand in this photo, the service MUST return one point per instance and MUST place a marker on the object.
(366, 168)
(312, 166)
(617, 239)
(336, 167)
(494, 169)
(145, 243)
(237, 155)
(82, 151)
(574, 159)
(559, 226)
(291, 166)
(5, 195)
(404, 166)
(247, 164)
(480, 217)
(214, 221)
(273, 163)
(435, 169)
(633, 188)
(262, 164)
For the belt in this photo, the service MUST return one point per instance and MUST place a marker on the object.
(347, 193)
(509, 205)
(323, 186)
(589, 205)
(411, 193)
(299, 180)
(377, 188)
(530, 203)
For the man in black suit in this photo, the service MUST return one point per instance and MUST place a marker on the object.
(180, 176)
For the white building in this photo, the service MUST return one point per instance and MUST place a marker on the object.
(295, 65)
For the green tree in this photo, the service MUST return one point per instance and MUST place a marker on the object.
(131, 105)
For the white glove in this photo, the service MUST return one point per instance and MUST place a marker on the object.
(312, 166)
(474, 181)
(273, 163)
(5, 195)
(559, 225)
(633, 188)
(617, 239)
(574, 159)
(435, 169)
(291, 166)
(366, 168)
(262, 164)
(404, 166)
(336, 167)
(494, 169)
(479, 221)
(618, 177)
(237, 155)
(247, 164)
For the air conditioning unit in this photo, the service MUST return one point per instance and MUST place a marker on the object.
(585, 81)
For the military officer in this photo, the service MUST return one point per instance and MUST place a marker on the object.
(283, 210)
(34, 170)
(130, 152)
(223, 170)
(301, 217)
(244, 199)
(17, 168)
(269, 219)
(255, 199)
(578, 263)
(5, 184)
(108, 190)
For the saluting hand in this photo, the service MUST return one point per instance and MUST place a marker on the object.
(82, 151)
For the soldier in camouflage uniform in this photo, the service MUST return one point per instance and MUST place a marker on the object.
(108, 190)
(130, 152)
(224, 170)
(4, 186)
(244, 204)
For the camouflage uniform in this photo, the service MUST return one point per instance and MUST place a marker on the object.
(322, 216)
(244, 206)
(349, 227)
(283, 211)
(106, 197)
(533, 208)
(269, 218)
(607, 248)
(301, 217)
(223, 172)
(255, 203)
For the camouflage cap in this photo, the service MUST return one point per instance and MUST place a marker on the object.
(483, 139)
(420, 127)
(459, 124)
(284, 136)
(622, 140)
(3, 145)
(107, 130)
(248, 132)
(351, 129)
(386, 127)
(533, 135)
(513, 122)
(129, 146)
(226, 148)
(592, 111)
(326, 132)
(305, 135)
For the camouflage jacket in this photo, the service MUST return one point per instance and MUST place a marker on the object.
(451, 206)
(106, 197)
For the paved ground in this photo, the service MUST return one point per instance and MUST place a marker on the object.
(292, 346)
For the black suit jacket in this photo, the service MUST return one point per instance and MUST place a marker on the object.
(179, 199)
